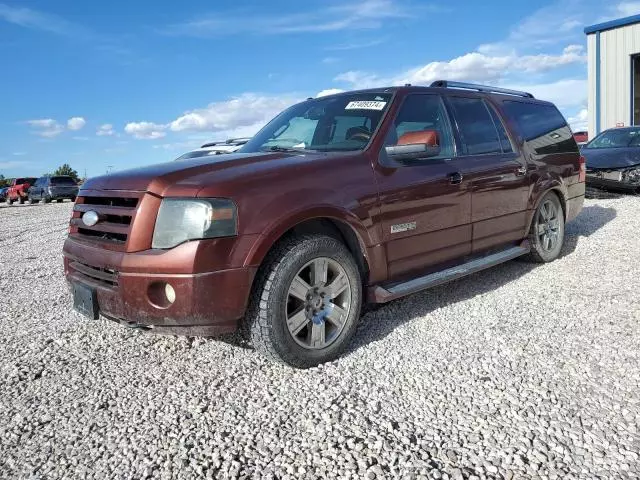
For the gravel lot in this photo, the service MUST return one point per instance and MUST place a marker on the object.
(517, 372)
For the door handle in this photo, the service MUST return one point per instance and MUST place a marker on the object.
(520, 171)
(455, 178)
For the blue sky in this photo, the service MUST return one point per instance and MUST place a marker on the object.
(128, 83)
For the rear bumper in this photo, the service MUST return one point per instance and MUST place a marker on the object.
(205, 304)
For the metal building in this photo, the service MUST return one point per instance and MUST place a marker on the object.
(614, 74)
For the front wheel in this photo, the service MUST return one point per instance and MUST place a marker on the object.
(306, 303)
(21, 200)
(31, 200)
(546, 236)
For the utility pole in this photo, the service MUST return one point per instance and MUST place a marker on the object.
(109, 168)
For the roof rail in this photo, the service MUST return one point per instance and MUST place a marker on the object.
(480, 88)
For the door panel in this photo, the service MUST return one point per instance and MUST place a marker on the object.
(499, 183)
(499, 196)
(440, 210)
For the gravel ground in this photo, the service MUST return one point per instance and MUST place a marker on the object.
(521, 371)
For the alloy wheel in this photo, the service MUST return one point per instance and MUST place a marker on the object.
(318, 303)
(548, 229)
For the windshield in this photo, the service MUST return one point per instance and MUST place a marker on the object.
(616, 139)
(62, 181)
(337, 123)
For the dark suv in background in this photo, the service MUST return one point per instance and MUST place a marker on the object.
(358, 197)
(58, 188)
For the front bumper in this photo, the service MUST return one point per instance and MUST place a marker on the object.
(597, 181)
(206, 304)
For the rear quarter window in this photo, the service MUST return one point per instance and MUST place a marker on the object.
(542, 126)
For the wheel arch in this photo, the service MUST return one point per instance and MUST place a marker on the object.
(339, 224)
(555, 186)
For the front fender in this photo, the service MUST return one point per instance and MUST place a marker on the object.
(284, 223)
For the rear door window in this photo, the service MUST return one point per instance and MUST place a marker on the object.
(502, 132)
(542, 126)
(475, 126)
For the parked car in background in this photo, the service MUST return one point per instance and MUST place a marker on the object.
(358, 197)
(581, 138)
(18, 190)
(58, 188)
(3, 194)
(613, 159)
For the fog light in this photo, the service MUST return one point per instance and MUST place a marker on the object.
(170, 293)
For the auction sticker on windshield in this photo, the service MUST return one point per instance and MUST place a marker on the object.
(364, 105)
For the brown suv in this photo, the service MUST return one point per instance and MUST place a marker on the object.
(358, 197)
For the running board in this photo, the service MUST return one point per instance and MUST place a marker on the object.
(380, 294)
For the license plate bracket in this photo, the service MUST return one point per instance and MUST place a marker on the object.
(85, 301)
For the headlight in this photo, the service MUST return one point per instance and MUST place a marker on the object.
(631, 176)
(183, 219)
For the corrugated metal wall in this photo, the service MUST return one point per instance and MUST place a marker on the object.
(616, 49)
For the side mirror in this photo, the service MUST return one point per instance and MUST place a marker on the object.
(416, 146)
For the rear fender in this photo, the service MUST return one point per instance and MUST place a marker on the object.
(540, 189)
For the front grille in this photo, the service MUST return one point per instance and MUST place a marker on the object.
(105, 276)
(115, 214)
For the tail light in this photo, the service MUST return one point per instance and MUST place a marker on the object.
(583, 169)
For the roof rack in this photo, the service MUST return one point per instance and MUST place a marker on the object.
(480, 88)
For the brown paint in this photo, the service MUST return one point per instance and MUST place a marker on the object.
(491, 206)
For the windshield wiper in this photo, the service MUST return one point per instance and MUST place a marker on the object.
(280, 148)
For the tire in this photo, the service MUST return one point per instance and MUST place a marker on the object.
(45, 199)
(59, 200)
(321, 324)
(21, 200)
(9, 201)
(31, 200)
(546, 236)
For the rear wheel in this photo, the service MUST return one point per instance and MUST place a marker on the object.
(59, 200)
(306, 303)
(21, 200)
(546, 236)
(45, 199)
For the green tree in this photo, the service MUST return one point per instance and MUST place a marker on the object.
(4, 182)
(68, 171)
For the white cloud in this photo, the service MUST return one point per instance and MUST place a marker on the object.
(105, 130)
(627, 9)
(475, 67)
(145, 130)
(330, 60)
(45, 127)
(246, 110)
(565, 93)
(76, 123)
(329, 91)
(364, 14)
(19, 154)
(28, 18)
(579, 121)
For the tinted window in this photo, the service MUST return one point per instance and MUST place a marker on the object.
(502, 132)
(62, 181)
(542, 126)
(477, 131)
(422, 113)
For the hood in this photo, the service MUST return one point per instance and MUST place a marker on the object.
(611, 157)
(187, 177)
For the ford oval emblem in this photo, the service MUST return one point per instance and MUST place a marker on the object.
(90, 218)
